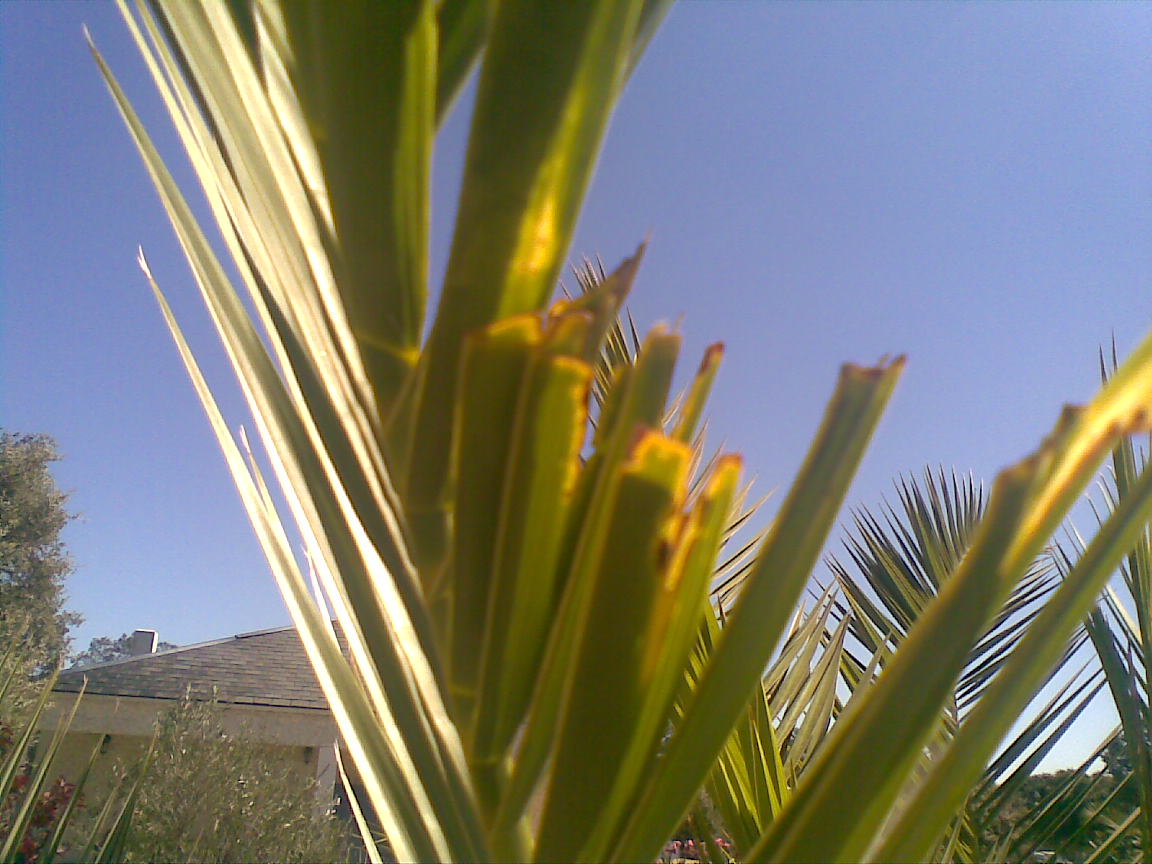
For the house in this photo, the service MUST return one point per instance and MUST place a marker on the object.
(263, 681)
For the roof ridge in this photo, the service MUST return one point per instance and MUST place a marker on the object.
(267, 667)
(264, 632)
(119, 661)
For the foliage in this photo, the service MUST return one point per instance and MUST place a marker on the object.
(36, 811)
(49, 803)
(45, 816)
(900, 558)
(33, 561)
(103, 649)
(497, 578)
(1097, 804)
(36, 808)
(897, 560)
(1121, 631)
(210, 795)
(199, 794)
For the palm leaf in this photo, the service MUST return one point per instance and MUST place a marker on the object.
(1027, 668)
(1123, 643)
(899, 561)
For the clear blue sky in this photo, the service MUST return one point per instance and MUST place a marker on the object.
(969, 184)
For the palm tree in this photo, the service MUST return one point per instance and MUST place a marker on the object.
(897, 561)
(1120, 628)
(527, 612)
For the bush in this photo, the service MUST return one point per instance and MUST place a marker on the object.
(209, 795)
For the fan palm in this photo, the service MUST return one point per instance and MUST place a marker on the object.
(527, 616)
(1120, 628)
(897, 562)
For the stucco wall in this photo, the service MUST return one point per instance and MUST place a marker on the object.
(297, 738)
(128, 750)
(136, 716)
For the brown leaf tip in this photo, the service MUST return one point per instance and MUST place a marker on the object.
(882, 368)
(713, 354)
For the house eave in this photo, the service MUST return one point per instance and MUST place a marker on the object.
(281, 725)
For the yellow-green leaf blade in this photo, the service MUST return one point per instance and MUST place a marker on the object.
(613, 655)
(365, 76)
(1020, 677)
(768, 596)
(535, 510)
(560, 65)
(493, 370)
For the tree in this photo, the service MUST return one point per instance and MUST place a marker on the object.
(103, 649)
(1071, 813)
(34, 563)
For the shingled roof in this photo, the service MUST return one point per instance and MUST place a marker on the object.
(267, 667)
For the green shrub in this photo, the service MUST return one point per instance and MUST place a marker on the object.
(209, 795)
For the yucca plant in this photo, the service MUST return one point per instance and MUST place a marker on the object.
(534, 671)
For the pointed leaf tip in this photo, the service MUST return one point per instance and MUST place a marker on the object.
(882, 369)
(713, 354)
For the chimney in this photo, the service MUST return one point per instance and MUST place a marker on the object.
(143, 642)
